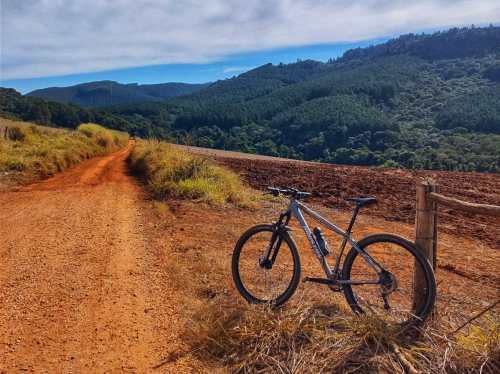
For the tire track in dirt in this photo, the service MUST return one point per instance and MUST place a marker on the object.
(79, 289)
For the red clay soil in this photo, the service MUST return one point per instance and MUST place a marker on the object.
(81, 288)
(395, 189)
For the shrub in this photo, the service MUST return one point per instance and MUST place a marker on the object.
(109, 139)
(15, 133)
(41, 151)
(170, 172)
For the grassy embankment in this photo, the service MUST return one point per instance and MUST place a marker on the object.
(170, 172)
(313, 334)
(37, 152)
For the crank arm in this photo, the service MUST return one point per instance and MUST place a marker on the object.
(386, 302)
(319, 280)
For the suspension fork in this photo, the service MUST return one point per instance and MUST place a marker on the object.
(273, 248)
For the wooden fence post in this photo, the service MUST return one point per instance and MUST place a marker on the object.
(425, 234)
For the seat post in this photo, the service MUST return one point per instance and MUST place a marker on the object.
(353, 219)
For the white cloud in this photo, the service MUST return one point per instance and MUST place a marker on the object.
(235, 69)
(56, 37)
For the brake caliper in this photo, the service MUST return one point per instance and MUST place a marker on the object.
(388, 285)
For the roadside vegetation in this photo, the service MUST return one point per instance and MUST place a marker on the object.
(170, 172)
(37, 152)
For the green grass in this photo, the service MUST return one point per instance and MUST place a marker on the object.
(41, 151)
(170, 172)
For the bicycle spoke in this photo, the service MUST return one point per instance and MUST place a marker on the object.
(263, 281)
(396, 283)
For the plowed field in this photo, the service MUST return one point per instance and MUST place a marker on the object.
(394, 189)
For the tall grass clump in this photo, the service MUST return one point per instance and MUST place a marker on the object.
(170, 172)
(308, 338)
(106, 138)
(478, 348)
(37, 151)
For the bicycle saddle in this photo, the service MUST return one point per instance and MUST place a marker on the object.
(363, 200)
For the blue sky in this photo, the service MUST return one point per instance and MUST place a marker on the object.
(64, 42)
(193, 73)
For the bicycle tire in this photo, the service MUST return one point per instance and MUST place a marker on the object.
(235, 265)
(424, 309)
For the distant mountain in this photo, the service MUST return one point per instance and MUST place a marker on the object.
(106, 93)
(442, 45)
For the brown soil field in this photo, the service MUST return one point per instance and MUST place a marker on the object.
(468, 257)
(394, 189)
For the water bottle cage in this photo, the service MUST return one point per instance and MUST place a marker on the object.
(320, 240)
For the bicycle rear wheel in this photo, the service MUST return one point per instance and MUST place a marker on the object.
(260, 282)
(401, 259)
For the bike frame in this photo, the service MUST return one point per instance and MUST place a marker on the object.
(296, 209)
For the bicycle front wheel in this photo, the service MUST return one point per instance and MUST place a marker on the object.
(393, 300)
(260, 281)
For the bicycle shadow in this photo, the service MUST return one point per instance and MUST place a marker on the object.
(256, 337)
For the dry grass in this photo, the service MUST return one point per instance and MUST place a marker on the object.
(172, 173)
(108, 139)
(39, 151)
(315, 332)
(316, 338)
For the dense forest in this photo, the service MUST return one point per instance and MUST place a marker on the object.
(105, 93)
(418, 101)
(26, 108)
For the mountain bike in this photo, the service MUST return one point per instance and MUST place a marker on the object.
(376, 276)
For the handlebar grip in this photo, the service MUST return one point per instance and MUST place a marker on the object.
(289, 191)
(273, 191)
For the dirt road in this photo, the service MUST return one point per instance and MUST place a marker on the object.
(80, 291)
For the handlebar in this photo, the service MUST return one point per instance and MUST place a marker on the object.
(288, 191)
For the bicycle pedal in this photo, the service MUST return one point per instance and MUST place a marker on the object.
(319, 280)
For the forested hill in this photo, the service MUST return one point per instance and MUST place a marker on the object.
(452, 44)
(105, 93)
(418, 101)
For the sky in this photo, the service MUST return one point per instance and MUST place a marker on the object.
(63, 42)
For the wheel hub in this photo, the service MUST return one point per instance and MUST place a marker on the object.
(388, 283)
(265, 263)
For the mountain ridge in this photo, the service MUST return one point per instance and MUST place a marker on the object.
(108, 92)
